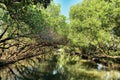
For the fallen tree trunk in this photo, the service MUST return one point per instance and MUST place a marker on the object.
(115, 59)
(7, 62)
(30, 51)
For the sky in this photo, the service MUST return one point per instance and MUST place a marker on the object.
(65, 5)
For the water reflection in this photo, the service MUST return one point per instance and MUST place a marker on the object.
(38, 69)
(58, 70)
(32, 69)
(100, 67)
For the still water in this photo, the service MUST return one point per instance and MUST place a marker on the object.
(50, 69)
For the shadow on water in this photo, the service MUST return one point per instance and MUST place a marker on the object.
(48, 69)
(32, 69)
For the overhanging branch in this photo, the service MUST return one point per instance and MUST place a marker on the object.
(4, 31)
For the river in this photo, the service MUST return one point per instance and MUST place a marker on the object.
(49, 68)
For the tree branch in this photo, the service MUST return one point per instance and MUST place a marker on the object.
(4, 32)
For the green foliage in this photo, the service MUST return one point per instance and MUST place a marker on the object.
(30, 23)
(34, 18)
(55, 20)
(65, 58)
(94, 22)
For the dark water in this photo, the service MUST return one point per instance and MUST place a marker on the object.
(54, 69)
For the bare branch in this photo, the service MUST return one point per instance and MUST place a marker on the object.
(4, 31)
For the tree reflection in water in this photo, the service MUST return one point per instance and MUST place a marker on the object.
(30, 69)
(36, 69)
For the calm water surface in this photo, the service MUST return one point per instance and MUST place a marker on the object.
(49, 69)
